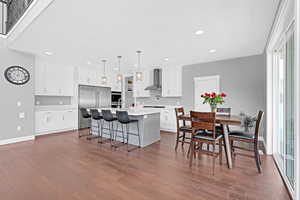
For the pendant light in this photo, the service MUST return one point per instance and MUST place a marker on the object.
(139, 73)
(119, 76)
(104, 78)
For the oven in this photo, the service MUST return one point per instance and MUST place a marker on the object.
(116, 99)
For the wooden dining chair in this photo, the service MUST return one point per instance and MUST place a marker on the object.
(240, 136)
(182, 129)
(204, 132)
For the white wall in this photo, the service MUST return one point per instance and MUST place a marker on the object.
(11, 94)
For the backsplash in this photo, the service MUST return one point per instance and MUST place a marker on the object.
(172, 101)
(52, 100)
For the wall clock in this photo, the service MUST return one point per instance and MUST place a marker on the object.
(17, 75)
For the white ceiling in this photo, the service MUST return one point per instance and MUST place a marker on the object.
(81, 31)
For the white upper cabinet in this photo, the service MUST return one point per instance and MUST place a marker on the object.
(89, 76)
(139, 86)
(172, 81)
(53, 79)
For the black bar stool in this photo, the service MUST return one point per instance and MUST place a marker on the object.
(124, 119)
(109, 118)
(97, 117)
(85, 114)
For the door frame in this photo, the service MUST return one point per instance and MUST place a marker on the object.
(217, 77)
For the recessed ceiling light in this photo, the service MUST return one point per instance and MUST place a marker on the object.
(212, 51)
(199, 32)
(48, 53)
(166, 59)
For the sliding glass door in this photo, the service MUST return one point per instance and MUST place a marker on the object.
(283, 138)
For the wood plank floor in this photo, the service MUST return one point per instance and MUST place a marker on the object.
(63, 167)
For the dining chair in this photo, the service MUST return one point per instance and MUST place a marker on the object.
(204, 132)
(246, 137)
(182, 129)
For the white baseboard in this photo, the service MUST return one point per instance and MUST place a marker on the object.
(18, 139)
(55, 131)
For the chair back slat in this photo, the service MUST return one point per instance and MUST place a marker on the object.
(203, 121)
(179, 111)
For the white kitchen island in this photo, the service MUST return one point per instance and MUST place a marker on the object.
(148, 122)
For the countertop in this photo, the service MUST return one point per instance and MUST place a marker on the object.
(135, 111)
(55, 108)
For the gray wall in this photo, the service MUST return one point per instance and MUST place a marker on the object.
(243, 79)
(11, 94)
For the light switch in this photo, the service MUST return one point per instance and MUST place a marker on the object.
(19, 128)
(21, 115)
(19, 103)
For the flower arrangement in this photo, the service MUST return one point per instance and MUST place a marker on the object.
(213, 99)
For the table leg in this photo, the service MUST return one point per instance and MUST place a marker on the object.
(227, 148)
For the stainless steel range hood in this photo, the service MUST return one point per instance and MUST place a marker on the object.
(156, 81)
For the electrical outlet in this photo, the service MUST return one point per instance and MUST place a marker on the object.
(19, 103)
(19, 128)
(60, 102)
(21, 115)
(37, 103)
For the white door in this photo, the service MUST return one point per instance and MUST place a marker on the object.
(204, 84)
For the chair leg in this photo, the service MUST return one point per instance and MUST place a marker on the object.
(177, 140)
(189, 151)
(220, 151)
(183, 139)
(214, 158)
(192, 150)
(256, 153)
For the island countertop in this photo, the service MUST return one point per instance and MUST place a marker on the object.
(134, 111)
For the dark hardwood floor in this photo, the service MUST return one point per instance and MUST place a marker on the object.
(63, 167)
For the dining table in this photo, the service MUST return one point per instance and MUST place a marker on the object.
(225, 120)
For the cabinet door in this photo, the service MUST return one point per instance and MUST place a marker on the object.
(40, 84)
(40, 122)
(69, 119)
(67, 82)
(53, 80)
(171, 81)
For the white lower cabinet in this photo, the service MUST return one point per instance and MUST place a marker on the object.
(55, 121)
(168, 120)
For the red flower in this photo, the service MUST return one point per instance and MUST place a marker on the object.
(223, 94)
(202, 95)
(213, 95)
(207, 94)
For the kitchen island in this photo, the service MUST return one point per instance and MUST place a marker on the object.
(148, 123)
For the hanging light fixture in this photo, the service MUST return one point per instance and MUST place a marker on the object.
(119, 76)
(104, 77)
(139, 73)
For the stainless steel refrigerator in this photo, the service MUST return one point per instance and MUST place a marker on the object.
(92, 97)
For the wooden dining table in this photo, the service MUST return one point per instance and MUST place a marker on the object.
(224, 120)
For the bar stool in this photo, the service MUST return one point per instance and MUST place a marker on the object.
(97, 117)
(109, 118)
(85, 114)
(124, 120)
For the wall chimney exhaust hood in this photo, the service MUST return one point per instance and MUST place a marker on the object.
(156, 81)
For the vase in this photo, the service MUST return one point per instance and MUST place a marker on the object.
(213, 107)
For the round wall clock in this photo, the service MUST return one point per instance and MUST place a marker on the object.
(17, 75)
